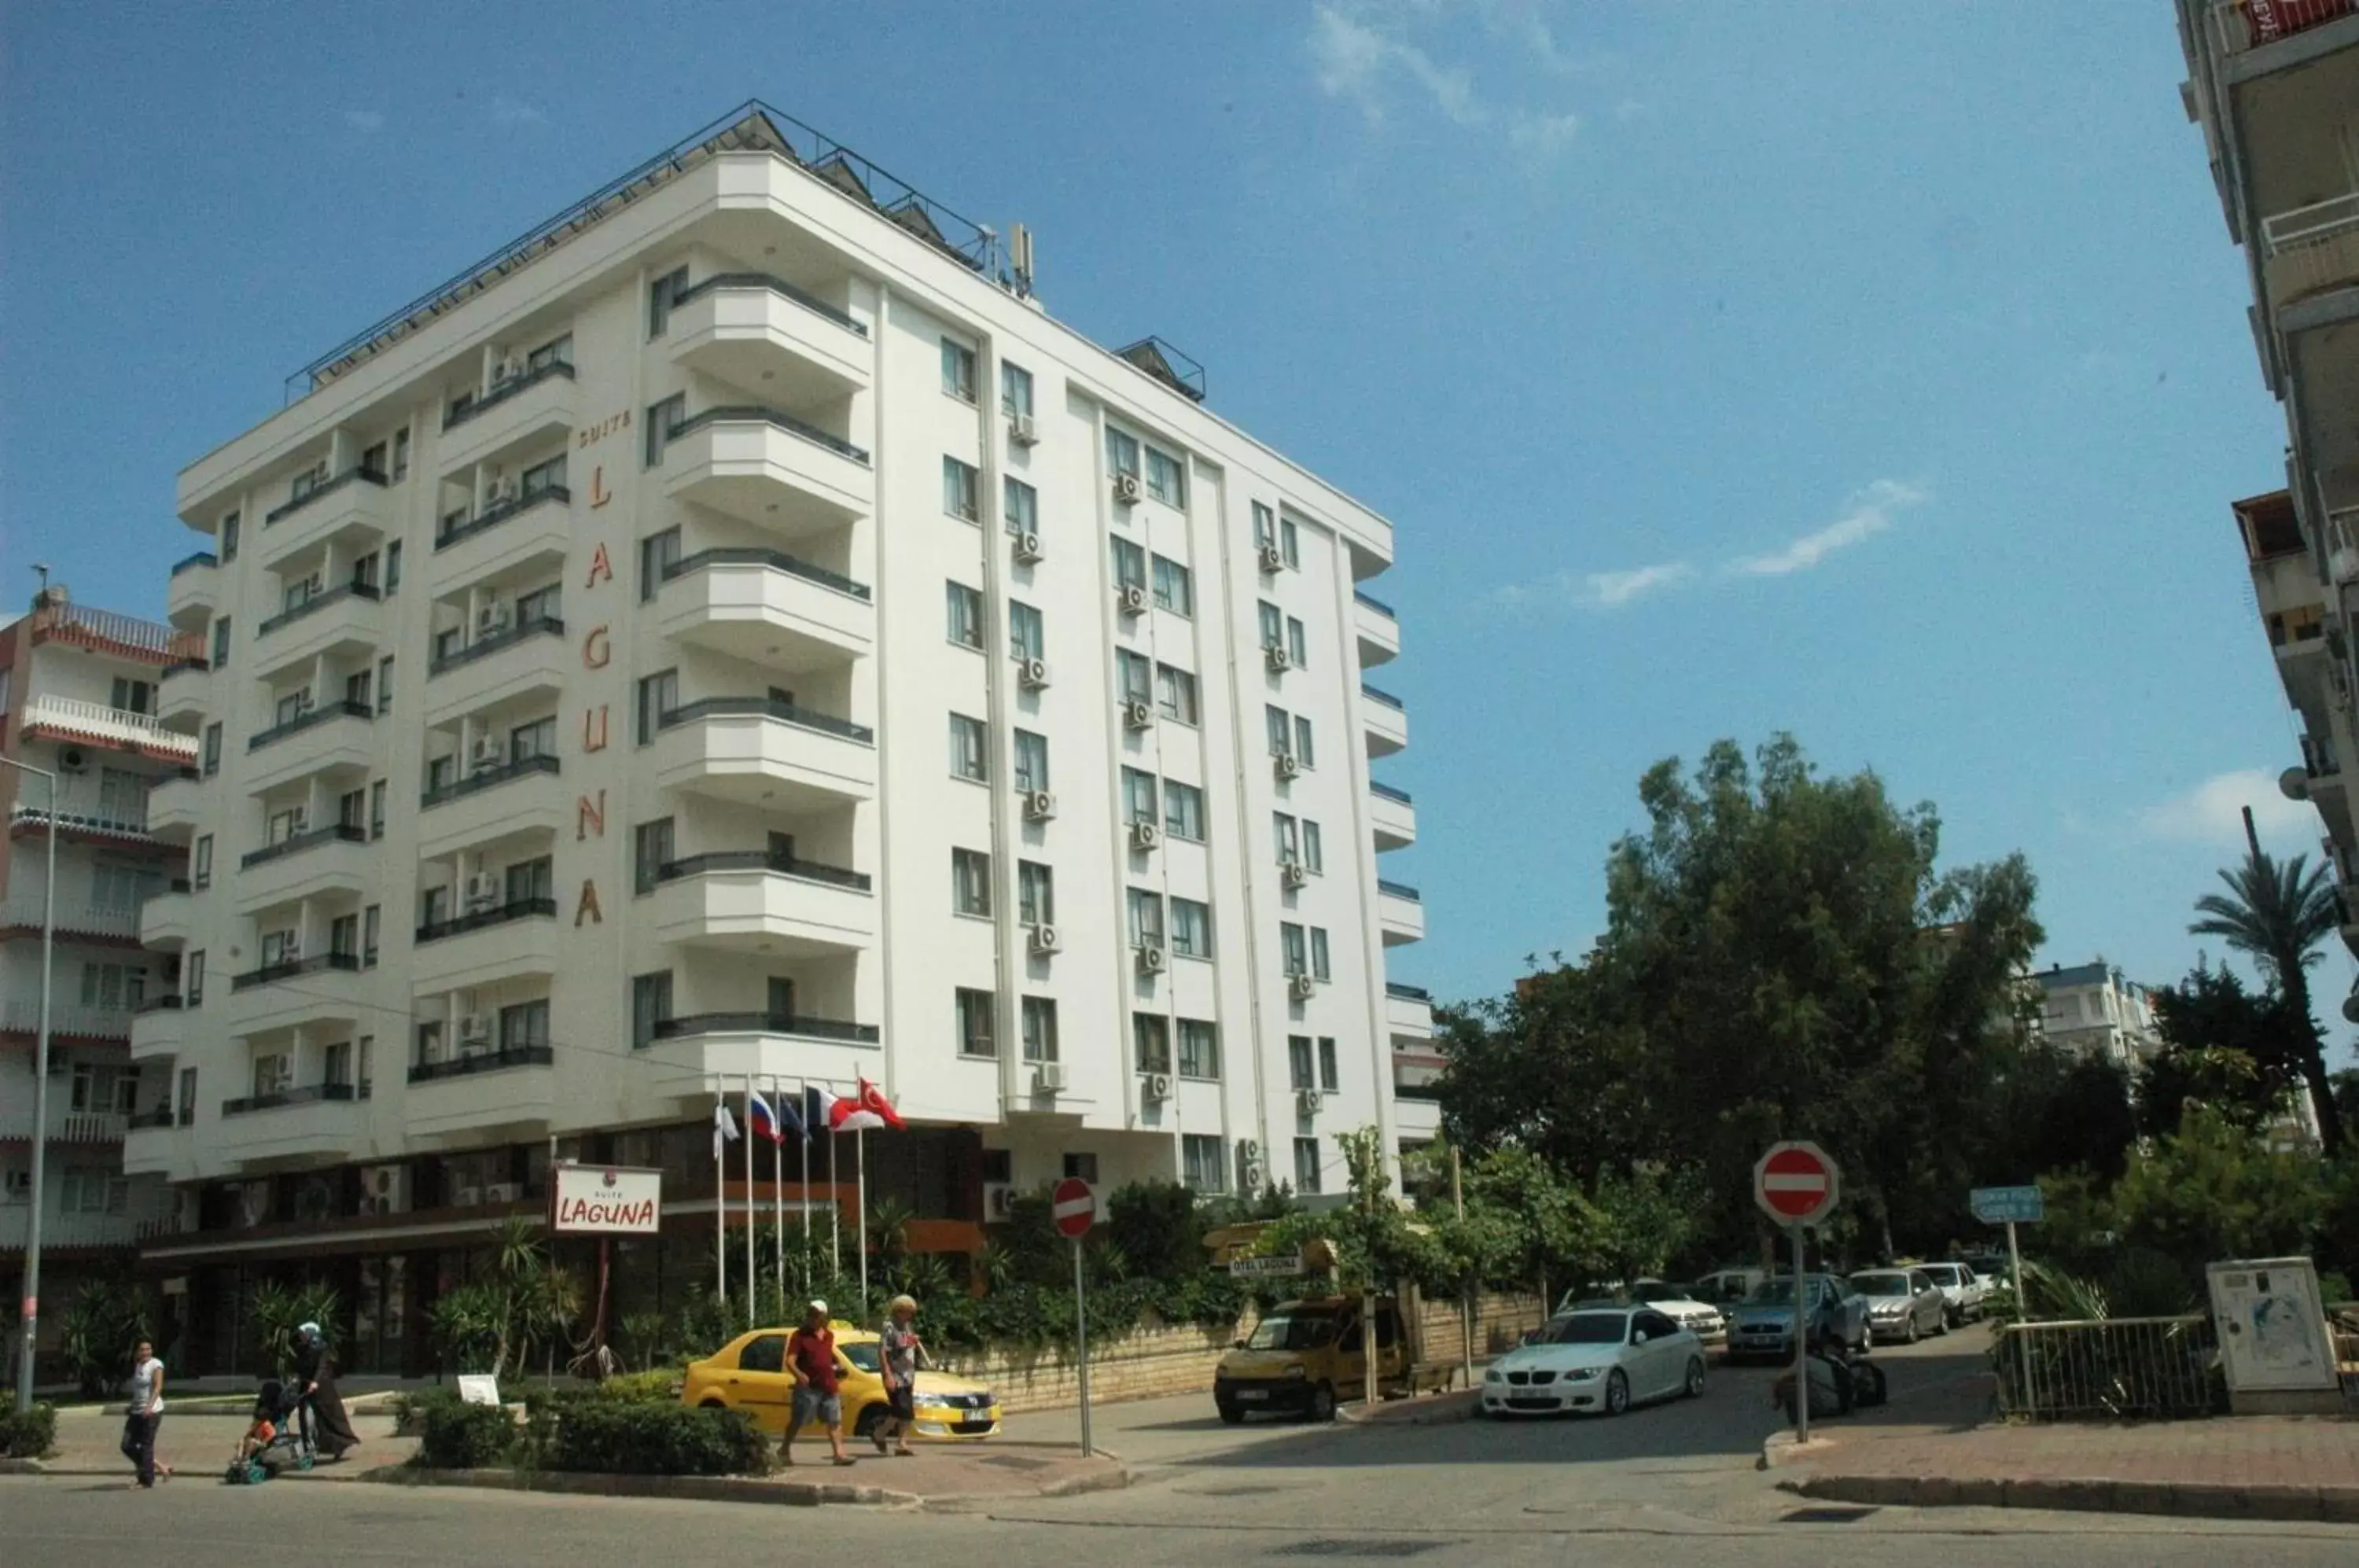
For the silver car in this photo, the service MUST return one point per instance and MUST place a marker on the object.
(1902, 1304)
(1960, 1288)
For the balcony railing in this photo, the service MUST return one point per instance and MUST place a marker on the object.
(296, 844)
(309, 1095)
(169, 1002)
(774, 561)
(762, 861)
(465, 1066)
(484, 778)
(290, 969)
(2318, 758)
(1382, 698)
(317, 602)
(106, 631)
(1399, 890)
(22, 1015)
(503, 390)
(450, 532)
(85, 805)
(1373, 603)
(184, 667)
(2248, 24)
(1408, 993)
(765, 708)
(484, 646)
(158, 1116)
(324, 713)
(778, 285)
(65, 1126)
(694, 1024)
(2314, 225)
(750, 413)
(101, 725)
(498, 915)
(205, 558)
(327, 487)
(1389, 793)
(74, 914)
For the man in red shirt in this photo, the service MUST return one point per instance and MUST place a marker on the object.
(811, 1357)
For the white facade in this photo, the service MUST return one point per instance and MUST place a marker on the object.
(2091, 1010)
(532, 631)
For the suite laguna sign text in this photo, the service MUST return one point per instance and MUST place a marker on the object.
(606, 1199)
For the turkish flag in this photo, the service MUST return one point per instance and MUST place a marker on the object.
(870, 1108)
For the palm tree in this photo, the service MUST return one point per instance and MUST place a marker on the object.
(2279, 913)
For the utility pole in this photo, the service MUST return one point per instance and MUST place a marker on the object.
(1465, 1294)
(30, 1328)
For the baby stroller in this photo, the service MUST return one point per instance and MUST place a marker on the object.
(289, 1447)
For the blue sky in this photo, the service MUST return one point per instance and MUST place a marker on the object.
(1879, 373)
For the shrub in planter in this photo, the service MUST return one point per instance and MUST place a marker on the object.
(620, 1437)
(657, 1388)
(29, 1435)
(456, 1435)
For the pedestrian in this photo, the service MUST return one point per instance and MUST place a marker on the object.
(315, 1376)
(900, 1348)
(143, 1412)
(811, 1357)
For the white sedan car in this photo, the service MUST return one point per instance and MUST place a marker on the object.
(1599, 1360)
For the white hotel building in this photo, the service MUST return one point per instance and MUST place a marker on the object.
(734, 630)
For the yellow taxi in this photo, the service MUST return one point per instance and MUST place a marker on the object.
(750, 1374)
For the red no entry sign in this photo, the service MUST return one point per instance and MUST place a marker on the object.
(1795, 1184)
(1074, 1207)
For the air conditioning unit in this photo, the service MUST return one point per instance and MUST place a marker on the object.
(1249, 1166)
(1307, 1102)
(999, 1200)
(1137, 714)
(1302, 987)
(1032, 674)
(290, 947)
(506, 370)
(71, 759)
(1281, 661)
(466, 1197)
(1131, 599)
(1294, 874)
(484, 890)
(1049, 1078)
(492, 617)
(1154, 1086)
(474, 1029)
(311, 585)
(1022, 431)
(302, 702)
(1027, 549)
(1144, 834)
(1039, 805)
(299, 821)
(386, 1190)
(1288, 765)
(1151, 960)
(503, 1191)
(1044, 940)
(1272, 558)
(1126, 489)
(485, 753)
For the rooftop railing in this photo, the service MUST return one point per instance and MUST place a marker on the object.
(105, 631)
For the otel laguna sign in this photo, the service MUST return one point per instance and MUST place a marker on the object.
(606, 1199)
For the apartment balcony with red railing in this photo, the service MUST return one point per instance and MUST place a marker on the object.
(2242, 24)
(117, 636)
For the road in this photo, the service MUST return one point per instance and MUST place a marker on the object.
(1673, 1479)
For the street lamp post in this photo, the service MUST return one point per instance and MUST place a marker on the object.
(32, 1301)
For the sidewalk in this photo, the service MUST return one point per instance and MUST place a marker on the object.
(199, 1446)
(2292, 1467)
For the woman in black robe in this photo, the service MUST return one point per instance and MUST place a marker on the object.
(315, 1376)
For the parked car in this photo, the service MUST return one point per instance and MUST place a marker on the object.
(1675, 1302)
(1304, 1356)
(1761, 1327)
(1902, 1304)
(1962, 1288)
(1728, 1287)
(749, 1374)
(1601, 1360)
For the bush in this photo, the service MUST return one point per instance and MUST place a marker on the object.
(623, 1437)
(31, 1435)
(658, 1388)
(457, 1436)
(97, 1332)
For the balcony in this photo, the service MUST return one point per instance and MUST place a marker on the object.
(194, 591)
(20, 1017)
(503, 537)
(318, 1119)
(157, 1143)
(78, 918)
(352, 507)
(1383, 718)
(158, 1027)
(1377, 628)
(756, 751)
(753, 901)
(513, 796)
(296, 968)
(169, 919)
(1400, 911)
(109, 633)
(174, 803)
(114, 813)
(474, 1092)
(693, 1053)
(767, 337)
(79, 1232)
(516, 413)
(508, 939)
(65, 1124)
(1392, 816)
(767, 608)
(184, 694)
(72, 722)
(2240, 26)
(2311, 249)
(770, 469)
(507, 665)
(339, 738)
(1409, 1013)
(336, 858)
(303, 632)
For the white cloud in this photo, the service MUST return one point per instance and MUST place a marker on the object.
(1870, 513)
(1544, 134)
(1356, 58)
(516, 112)
(2212, 813)
(1598, 590)
(368, 122)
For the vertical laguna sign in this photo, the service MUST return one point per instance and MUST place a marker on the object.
(606, 1199)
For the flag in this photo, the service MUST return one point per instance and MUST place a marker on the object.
(871, 1109)
(724, 1128)
(819, 1109)
(761, 1119)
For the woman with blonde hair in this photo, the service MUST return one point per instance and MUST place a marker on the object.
(898, 1348)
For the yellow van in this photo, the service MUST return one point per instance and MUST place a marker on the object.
(1304, 1356)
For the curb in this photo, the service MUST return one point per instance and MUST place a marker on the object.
(2186, 1500)
(25, 1467)
(1432, 1409)
(1781, 1449)
(1070, 1487)
(694, 1488)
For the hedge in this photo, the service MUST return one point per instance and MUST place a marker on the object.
(457, 1436)
(624, 1438)
(31, 1435)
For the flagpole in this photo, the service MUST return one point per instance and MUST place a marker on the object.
(805, 1084)
(720, 1204)
(749, 1202)
(835, 1213)
(778, 1186)
(859, 1153)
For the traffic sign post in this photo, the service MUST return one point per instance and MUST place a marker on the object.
(1074, 1208)
(2010, 1206)
(1796, 1184)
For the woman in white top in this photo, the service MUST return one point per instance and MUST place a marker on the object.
(144, 1413)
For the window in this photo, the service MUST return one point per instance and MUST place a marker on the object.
(1183, 811)
(1306, 1166)
(377, 809)
(1138, 795)
(1146, 918)
(659, 553)
(1203, 1162)
(1173, 592)
(1289, 544)
(1019, 506)
(1174, 693)
(974, 1023)
(1167, 480)
(1290, 839)
(373, 460)
(1031, 760)
(345, 936)
(1129, 565)
(1200, 1049)
(662, 294)
(1150, 1035)
(186, 1099)
(212, 750)
(964, 605)
(372, 934)
(401, 453)
(1036, 894)
(1314, 858)
(1273, 624)
(1083, 1167)
(358, 687)
(228, 537)
(531, 880)
(525, 1026)
(1026, 636)
(1015, 389)
(958, 370)
(968, 758)
(1122, 452)
(1191, 928)
(336, 1065)
(542, 605)
(1279, 728)
(385, 684)
(200, 863)
(1318, 968)
(393, 550)
(133, 696)
(650, 1005)
(1039, 1029)
(651, 851)
(1329, 1079)
(192, 977)
(1134, 676)
(1297, 644)
(537, 738)
(220, 641)
(1290, 940)
(662, 418)
(971, 882)
(1302, 749)
(1264, 525)
(960, 493)
(658, 695)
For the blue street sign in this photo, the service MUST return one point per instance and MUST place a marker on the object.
(2009, 1206)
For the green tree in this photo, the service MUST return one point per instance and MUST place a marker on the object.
(2279, 914)
(2224, 1047)
(2212, 1191)
(2087, 1121)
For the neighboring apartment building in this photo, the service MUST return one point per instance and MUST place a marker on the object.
(79, 693)
(2089, 1009)
(736, 630)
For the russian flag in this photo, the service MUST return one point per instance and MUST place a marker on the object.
(765, 1120)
